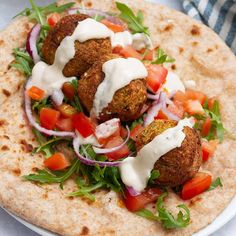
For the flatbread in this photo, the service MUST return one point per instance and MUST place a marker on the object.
(200, 56)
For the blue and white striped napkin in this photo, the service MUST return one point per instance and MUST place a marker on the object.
(220, 15)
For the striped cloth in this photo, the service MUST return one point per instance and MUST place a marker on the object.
(220, 15)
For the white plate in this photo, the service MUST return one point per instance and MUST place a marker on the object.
(228, 213)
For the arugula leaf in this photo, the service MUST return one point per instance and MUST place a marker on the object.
(76, 101)
(23, 61)
(135, 23)
(98, 17)
(155, 174)
(136, 122)
(48, 147)
(162, 57)
(38, 105)
(215, 184)
(46, 176)
(165, 217)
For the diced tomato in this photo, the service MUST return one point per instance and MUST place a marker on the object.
(156, 77)
(136, 131)
(208, 148)
(35, 93)
(53, 19)
(196, 95)
(65, 124)
(148, 54)
(129, 51)
(161, 116)
(122, 152)
(83, 124)
(117, 49)
(177, 109)
(114, 27)
(48, 117)
(193, 107)
(68, 90)
(200, 183)
(206, 127)
(180, 97)
(135, 203)
(66, 110)
(105, 131)
(123, 132)
(211, 102)
(56, 162)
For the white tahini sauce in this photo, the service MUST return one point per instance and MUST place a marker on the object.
(173, 83)
(50, 77)
(119, 72)
(125, 38)
(135, 171)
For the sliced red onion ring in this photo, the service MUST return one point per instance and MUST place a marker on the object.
(132, 191)
(89, 162)
(40, 128)
(154, 96)
(31, 44)
(94, 12)
(169, 114)
(58, 97)
(108, 150)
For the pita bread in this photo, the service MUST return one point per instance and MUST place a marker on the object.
(200, 56)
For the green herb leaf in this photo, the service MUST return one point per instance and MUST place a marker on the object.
(215, 184)
(136, 122)
(135, 23)
(155, 174)
(76, 101)
(98, 17)
(46, 176)
(38, 105)
(23, 61)
(162, 58)
(165, 217)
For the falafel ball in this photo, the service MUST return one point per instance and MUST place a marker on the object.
(180, 164)
(86, 53)
(127, 102)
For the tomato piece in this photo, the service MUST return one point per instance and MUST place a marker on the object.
(136, 131)
(105, 131)
(206, 127)
(68, 90)
(180, 97)
(114, 27)
(161, 116)
(129, 51)
(65, 124)
(48, 117)
(56, 162)
(198, 184)
(177, 109)
(194, 107)
(35, 93)
(135, 203)
(196, 95)
(66, 110)
(211, 102)
(208, 148)
(148, 54)
(156, 77)
(117, 49)
(83, 124)
(53, 19)
(122, 152)
(123, 132)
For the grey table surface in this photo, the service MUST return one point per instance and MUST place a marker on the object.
(8, 225)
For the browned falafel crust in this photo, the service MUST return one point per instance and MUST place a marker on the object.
(180, 164)
(86, 53)
(127, 102)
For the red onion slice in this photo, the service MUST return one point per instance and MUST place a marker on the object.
(89, 162)
(132, 191)
(58, 97)
(94, 12)
(31, 44)
(108, 150)
(169, 114)
(154, 96)
(40, 128)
